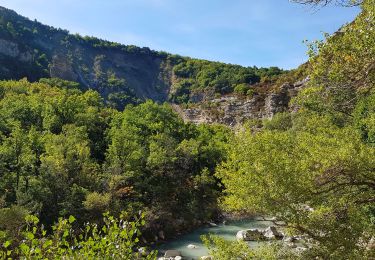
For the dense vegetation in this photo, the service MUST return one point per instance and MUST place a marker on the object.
(114, 239)
(65, 152)
(197, 76)
(314, 169)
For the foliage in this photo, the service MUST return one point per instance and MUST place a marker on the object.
(313, 170)
(12, 220)
(239, 250)
(364, 118)
(342, 68)
(280, 121)
(159, 156)
(62, 152)
(316, 178)
(220, 78)
(230, 250)
(115, 239)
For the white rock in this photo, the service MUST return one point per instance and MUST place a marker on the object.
(191, 246)
(272, 233)
(241, 235)
(178, 258)
(250, 235)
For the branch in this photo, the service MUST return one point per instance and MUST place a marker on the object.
(346, 3)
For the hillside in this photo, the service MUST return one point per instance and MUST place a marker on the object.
(121, 74)
(82, 179)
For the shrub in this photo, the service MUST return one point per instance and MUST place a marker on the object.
(97, 202)
(116, 239)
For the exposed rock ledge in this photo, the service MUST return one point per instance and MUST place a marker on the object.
(231, 110)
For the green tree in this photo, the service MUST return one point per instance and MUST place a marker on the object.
(316, 178)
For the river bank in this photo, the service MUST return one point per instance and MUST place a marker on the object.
(227, 230)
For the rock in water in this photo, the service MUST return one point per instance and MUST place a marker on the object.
(250, 235)
(161, 235)
(171, 254)
(272, 233)
(191, 246)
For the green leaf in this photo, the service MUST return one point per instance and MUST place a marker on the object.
(29, 235)
(71, 219)
(25, 248)
(6, 244)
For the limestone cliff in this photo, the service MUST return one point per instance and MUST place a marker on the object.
(233, 110)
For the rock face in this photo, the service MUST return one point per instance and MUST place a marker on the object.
(225, 110)
(231, 110)
(9, 48)
(42, 52)
(277, 102)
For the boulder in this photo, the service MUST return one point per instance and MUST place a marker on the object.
(191, 246)
(250, 235)
(161, 235)
(178, 257)
(172, 254)
(272, 233)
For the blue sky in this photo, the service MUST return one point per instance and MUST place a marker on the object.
(247, 32)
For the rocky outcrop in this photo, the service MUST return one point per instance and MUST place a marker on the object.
(232, 110)
(277, 102)
(9, 48)
(272, 233)
(254, 234)
(250, 235)
(61, 67)
(227, 110)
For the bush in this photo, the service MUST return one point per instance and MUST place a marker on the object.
(280, 121)
(116, 239)
(12, 220)
(97, 202)
(241, 89)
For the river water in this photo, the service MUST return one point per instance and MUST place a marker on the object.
(227, 231)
